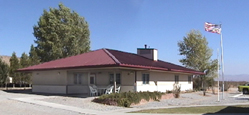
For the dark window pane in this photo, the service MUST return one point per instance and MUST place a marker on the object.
(75, 78)
(145, 78)
(176, 79)
(79, 78)
(118, 78)
(91, 80)
(111, 79)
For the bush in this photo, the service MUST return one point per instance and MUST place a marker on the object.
(168, 91)
(227, 85)
(124, 102)
(125, 99)
(176, 90)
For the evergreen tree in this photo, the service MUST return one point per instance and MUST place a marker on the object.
(14, 65)
(61, 33)
(33, 57)
(24, 62)
(4, 69)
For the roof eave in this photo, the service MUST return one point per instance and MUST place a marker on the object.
(163, 69)
(193, 72)
(62, 68)
(143, 67)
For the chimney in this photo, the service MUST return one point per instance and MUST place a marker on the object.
(150, 53)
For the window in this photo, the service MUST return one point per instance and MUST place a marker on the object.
(146, 78)
(77, 78)
(189, 79)
(176, 79)
(118, 78)
(92, 80)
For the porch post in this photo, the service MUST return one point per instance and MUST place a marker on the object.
(114, 81)
(88, 78)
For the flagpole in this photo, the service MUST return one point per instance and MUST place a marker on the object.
(222, 61)
(218, 67)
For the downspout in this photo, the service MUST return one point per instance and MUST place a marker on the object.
(135, 83)
(115, 84)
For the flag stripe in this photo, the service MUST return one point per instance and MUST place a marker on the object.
(214, 28)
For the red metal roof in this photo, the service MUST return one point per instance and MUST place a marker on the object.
(137, 61)
(107, 58)
(93, 58)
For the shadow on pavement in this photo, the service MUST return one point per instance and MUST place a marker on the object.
(29, 91)
(232, 110)
(234, 93)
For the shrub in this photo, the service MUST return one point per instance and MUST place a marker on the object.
(227, 85)
(124, 102)
(176, 90)
(168, 91)
(125, 99)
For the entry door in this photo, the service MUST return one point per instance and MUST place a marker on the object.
(92, 79)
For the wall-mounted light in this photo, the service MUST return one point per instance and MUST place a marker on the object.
(131, 72)
(59, 73)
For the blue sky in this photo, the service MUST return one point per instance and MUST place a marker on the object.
(129, 24)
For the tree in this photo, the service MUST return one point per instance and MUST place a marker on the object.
(197, 54)
(24, 62)
(14, 65)
(4, 70)
(61, 33)
(33, 57)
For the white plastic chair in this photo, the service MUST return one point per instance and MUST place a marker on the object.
(109, 90)
(93, 92)
(94, 86)
(118, 89)
(108, 86)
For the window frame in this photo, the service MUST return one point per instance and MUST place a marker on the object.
(77, 78)
(189, 79)
(176, 79)
(146, 78)
(118, 78)
(93, 80)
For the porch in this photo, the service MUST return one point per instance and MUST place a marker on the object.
(80, 81)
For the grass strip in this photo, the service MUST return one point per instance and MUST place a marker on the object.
(200, 110)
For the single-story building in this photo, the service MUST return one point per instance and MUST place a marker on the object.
(133, 72)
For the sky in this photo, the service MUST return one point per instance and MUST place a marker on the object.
(129, 24)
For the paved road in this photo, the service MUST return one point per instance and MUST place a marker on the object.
(24, 103)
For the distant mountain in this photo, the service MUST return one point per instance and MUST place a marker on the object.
(240, 77)
(6, 59)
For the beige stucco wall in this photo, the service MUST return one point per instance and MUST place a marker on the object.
(78, 89)
(53, 89)
(102, 78)
(55, 77)
(62, 81)
(162, 81)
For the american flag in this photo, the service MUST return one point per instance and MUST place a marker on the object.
(214, 28)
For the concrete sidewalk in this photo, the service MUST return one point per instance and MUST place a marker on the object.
(58, 106)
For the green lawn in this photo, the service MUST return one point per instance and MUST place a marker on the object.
(200, 110)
